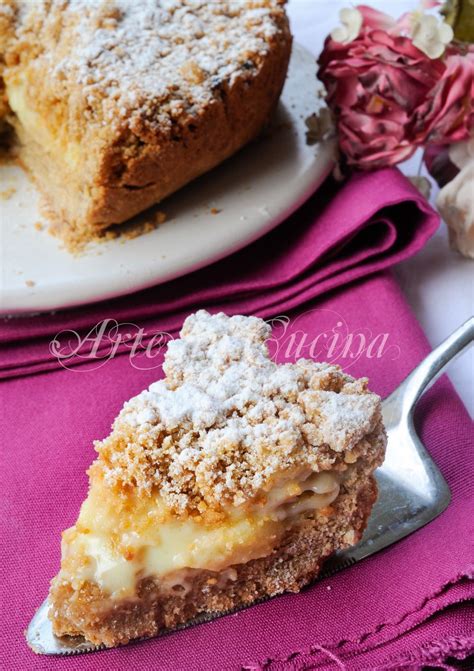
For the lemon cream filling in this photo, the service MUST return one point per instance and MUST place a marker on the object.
(116, 546)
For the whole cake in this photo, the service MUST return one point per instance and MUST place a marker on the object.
(230, 480)
(116, 104)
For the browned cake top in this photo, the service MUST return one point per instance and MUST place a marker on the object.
(121, 62)
(227, 421)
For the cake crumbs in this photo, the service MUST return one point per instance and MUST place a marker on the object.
(319, 126)
(227, 420)
(6, 194)
(139, 225)
(160, 217)
(77, 243)
(214, 210)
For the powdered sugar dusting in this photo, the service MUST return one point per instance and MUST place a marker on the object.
(227, 420)
(127, 57)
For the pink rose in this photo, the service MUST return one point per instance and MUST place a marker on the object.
(374, 84)
(447, 115)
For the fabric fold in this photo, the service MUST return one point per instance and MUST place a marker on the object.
(342, 234)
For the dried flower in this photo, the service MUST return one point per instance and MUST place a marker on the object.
(453, 169)
(447, 115)
(430, 35)
(421, 183)
(351, 22)
(320, 126)
(455, 201)
(374, 85)
(456, 205)
(388, 96)
(462, 153)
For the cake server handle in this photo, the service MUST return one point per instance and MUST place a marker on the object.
(403, 400)
(413, 490)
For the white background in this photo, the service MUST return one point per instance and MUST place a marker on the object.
(438, 282)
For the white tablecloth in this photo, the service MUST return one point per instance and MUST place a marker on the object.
(439, 283)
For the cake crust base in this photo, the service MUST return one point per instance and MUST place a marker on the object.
(294, 564)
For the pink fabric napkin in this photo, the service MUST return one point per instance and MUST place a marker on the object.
(397, 609)
(339, 235)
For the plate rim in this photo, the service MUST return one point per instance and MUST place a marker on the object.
(19, 302)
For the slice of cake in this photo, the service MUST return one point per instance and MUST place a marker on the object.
(230, 480)
(118, 103)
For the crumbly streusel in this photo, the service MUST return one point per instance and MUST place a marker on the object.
(227, 421)
(97, 76)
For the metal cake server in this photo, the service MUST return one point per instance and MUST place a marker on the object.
(412, 491)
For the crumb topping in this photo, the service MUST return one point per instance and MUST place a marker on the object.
(227, 422)
(126, 62)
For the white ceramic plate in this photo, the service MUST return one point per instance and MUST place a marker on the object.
(253, 191)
